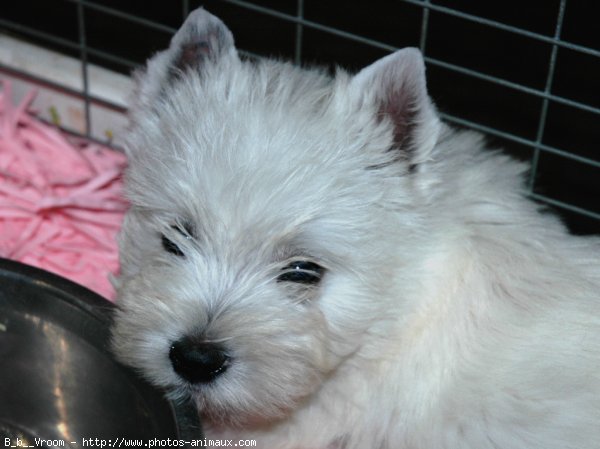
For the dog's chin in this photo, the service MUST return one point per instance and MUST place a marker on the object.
(222, 408)
(219, 413)
(236, 418)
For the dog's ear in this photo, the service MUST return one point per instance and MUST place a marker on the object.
(396, 83)
(202, 40)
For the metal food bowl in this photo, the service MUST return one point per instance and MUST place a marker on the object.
(58, 380)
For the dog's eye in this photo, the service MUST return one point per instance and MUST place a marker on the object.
(171, 247)
(302, 272)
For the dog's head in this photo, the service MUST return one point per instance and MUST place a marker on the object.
(267, 204)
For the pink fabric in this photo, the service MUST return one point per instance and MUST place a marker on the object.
(61, 203)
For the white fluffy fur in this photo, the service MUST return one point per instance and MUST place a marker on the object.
(453, 312)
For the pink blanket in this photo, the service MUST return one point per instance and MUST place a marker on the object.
(60, 202)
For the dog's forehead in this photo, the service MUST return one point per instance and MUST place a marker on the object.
(266, 197)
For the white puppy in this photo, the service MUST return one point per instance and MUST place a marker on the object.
(321, 263)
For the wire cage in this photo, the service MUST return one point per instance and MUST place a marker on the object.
(524, 73)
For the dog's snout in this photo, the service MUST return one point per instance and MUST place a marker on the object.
(198, 362)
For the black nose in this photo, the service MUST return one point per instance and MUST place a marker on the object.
(198, 362)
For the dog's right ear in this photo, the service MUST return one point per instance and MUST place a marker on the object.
(202, 40)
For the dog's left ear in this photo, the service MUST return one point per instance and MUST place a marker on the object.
(202, 41)
(396, 83)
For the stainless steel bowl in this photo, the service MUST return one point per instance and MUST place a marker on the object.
(58, 379)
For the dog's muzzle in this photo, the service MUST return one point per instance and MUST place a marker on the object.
(198, 362)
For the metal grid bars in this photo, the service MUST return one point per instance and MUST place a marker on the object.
(544, 111)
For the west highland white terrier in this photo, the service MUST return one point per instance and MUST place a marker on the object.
(319, 262)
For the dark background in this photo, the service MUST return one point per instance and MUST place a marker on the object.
(453, 40)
